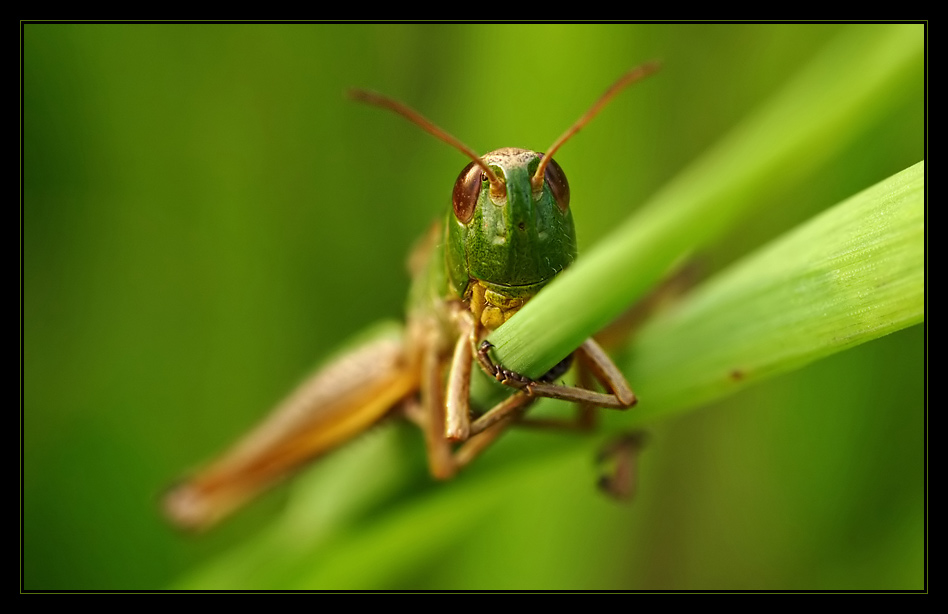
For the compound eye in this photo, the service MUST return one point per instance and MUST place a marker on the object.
(466, 190)
(556, 179)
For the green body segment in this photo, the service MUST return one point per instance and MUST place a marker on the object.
(514, 245)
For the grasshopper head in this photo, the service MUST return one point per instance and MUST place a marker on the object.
(514, 240)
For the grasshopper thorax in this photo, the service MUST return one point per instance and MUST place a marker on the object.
(513, 243)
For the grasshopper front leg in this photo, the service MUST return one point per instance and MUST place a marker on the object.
(450, 413)
(619, 458)
(592, 357)
(441, 417)
(445, 413)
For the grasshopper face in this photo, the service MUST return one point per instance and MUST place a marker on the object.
(515, 243)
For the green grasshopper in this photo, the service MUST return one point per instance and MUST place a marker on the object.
(509, 233)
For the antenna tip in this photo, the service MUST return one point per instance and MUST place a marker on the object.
(354, 93)
(645, 69)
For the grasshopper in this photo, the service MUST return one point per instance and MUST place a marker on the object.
(509, 233)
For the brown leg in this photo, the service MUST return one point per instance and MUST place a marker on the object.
(444, 416)
(479, 442)
(506, 410)
(584, 418)
(620, 461)
(458, 401)
(593, 357)
(440, 461)
(606, 371)
(448, 414)
(585, 412)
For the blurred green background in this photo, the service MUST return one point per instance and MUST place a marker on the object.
(205, 216)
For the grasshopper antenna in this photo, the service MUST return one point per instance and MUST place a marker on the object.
(636, 74)
(497, 187)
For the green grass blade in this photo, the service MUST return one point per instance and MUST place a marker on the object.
(850, 275)
(840, 93)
